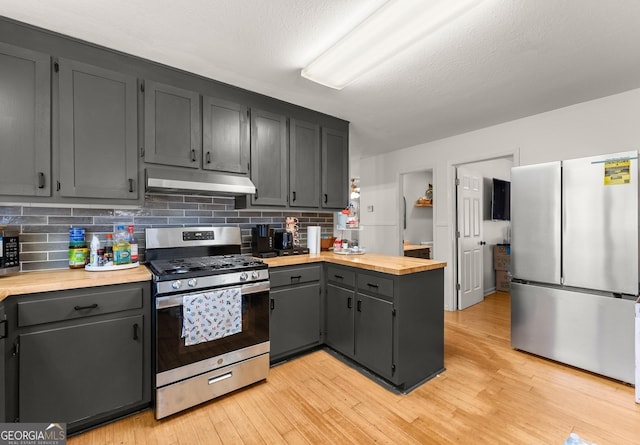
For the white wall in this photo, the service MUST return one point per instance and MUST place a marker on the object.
(600, 126)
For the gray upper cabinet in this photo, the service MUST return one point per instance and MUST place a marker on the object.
(25, 129)
(225, 136)
(98, 132)
(335, 169)
(304, 164)
(172, 125)
(269, 158)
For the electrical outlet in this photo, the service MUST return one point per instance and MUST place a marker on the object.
(369, 208)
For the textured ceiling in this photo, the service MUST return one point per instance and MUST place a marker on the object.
(503, 60)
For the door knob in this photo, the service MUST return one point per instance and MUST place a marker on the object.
(482, 243)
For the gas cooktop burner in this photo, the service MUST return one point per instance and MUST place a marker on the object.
(201, 266)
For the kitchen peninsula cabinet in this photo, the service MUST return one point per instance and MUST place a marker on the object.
(172, 125)
(225, 136)
(295, 315)
(269, 158)
(98, 132)
(392, 325)
(79, 356)
(25, 126)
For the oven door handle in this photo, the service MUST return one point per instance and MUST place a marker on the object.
(245, 289)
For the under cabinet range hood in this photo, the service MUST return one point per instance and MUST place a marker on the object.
(197, 182)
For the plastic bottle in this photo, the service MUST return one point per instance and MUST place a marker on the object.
(133, 241)
(121, 247)
(108, 249)
(574, 439)
(94, 246)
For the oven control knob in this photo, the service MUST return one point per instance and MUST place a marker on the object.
(192, 282)
(255, 275)
(244, 276)
(176, 284)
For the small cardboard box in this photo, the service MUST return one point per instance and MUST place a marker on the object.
(502, 281)
(501, 257)
(638, 350)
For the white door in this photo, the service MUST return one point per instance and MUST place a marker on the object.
(469, 232)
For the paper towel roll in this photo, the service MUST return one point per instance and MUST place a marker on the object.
(313, 239)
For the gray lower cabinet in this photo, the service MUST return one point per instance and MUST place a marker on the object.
(335, 169)
(172, 125)
(304, 164)
(296, 310)
(98, 132)
(393, 325)
(79, 356)
(225, 136)
(25, 122)
(269, 158)
(359, 326)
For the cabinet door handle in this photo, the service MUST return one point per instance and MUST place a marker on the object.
(375, 286)
(294, 196)
(131, 185)
(255, 195)
(40, 180)
(326, 198)
(349, 303)
(193, 156)
(91, 306)
(273, 304)
(208, 157)
(359, 306)
(135, 331)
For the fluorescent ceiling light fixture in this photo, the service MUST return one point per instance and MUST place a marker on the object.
(392, 28)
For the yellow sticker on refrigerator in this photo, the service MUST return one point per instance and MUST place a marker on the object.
(617, 172)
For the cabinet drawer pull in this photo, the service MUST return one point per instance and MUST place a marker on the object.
(359, 306)
(193, 156)
(296, 277)
(349, 303)
(40, 180)
(135, 331)
(339, 277)
(91, 306)
(375, 286)
(226, 376)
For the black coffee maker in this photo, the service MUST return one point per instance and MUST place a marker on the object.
(262, 241)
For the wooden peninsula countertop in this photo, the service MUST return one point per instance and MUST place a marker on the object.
(63, 279)
(394, 265)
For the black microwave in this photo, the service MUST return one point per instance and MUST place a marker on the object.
(9, 252)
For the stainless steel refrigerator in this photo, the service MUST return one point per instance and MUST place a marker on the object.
(575, 270)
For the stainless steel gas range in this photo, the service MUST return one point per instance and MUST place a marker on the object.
(211, 315)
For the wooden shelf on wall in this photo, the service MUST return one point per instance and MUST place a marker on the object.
(423, 205)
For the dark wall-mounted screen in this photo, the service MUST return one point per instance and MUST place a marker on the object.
(501, 200)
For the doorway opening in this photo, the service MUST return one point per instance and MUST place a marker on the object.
(417, 217)
(477, 231)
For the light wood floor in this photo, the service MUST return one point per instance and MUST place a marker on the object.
(489, 394)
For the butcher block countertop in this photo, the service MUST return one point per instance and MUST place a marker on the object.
(51, 280)
(415, 247)
(394, 265)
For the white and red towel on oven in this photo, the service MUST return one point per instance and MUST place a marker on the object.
(211, 315)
